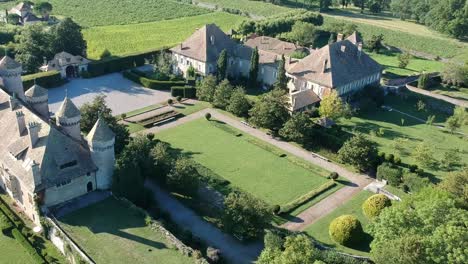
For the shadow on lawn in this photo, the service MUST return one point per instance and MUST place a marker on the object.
(111, 217)
(362, 245)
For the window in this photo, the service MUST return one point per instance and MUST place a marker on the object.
(63, 183)
(88, 174)
(275, 74)
(68, 164)
(212, 40)
(263, 71)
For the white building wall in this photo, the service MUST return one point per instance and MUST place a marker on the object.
(75, 188)
(11, 80)
(104, 158)
(183, 64)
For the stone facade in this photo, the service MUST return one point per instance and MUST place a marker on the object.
(44, 163)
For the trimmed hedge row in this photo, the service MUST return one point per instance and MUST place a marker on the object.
(48, 79)
(152, 84)
(27, 246)
(287, 208)
(118, 64)
(184, 91)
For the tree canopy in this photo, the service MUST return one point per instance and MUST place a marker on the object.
(427, 227)
(359, 152)
(333, 107)
(206, 88)
(271, 110)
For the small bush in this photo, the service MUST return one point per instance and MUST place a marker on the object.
(213, 254)
(389, 172)
(413, 168)
(105, 54)
(414, 182)
(170, 101)
(374, 205)
(397, 160)
(346, 230)
(273, 240)
(27, 246)
(276, 209)
(208, 116)
(334, 176)
(179, 98)
(390, 158)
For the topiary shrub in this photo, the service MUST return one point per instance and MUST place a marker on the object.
(346, 230)
(170, 101)
(374, 205)
(213, 254)
(276, 209)
(413, 168)
(179, 98)
(334, 176)
(208, 116)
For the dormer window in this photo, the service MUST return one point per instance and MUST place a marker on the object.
(212, 40)
(68, 164)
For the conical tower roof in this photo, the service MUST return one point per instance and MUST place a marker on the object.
(36, 91)
(8, 63)
(100, 132)
(68, 109)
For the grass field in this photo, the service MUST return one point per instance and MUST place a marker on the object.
(126, 39)
(319, 230)
(458, 93)
(11, 251)
(389, 62)
(255, 8)
(245, 164)
(414, 132)
(90, 13)
(111, 232)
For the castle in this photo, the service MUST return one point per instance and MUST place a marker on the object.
(45, 162)
(341, 66)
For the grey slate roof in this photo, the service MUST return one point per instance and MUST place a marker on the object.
(335, 65)
(51, 150)
(355, 38)
(36, 91)
(199, 46)
(8, 63)
(68, 109)
(100, 132)
(272, 45)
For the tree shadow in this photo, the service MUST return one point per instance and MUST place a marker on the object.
(112, 217)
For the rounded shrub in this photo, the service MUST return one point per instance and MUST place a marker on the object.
(397, 160)
(375, 204)
(170, 101)
(179, 98)
(208, 116)
(334, 175)
(390, 158)
(276, 209)
(346, 230)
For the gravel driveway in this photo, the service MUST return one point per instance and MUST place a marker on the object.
(122, 95)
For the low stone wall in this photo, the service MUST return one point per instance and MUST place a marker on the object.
(65, 244)
(157, 227)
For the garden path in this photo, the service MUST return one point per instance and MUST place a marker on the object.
(231, 249)
(454, 101)
(312, 214)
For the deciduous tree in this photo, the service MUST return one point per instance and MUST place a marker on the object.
(359, 152)
(253, 71)
(222, 94)
(221, 65)
(206, 88)
(333, 107)
(271, 110)
(298, 128)
(239, 104)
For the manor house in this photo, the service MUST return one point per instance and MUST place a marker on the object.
(341, 66)
(45, 162)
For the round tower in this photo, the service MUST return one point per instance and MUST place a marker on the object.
(68, 117)
(10, 73)
(38, 98)
(101, 142)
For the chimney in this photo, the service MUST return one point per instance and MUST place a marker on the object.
(33, 129)
(324, 69)
(13, 102)
(20, 122)
(36, 173)
(343, 48)
(359, 49)
(339, 37)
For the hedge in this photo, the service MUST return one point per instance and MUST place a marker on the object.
(287, 208)
(184, 91)
(346, 230)
(27, 246)
(152, 84)
(389, 172)
(118, 64)
(48, 79)
(372, 207)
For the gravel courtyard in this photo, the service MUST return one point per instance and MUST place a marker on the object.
(122, 95)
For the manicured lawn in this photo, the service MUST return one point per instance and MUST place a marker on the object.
(414, 132)
(319, 230)
(188, 108)
(89, 13)
(245, 161)
(389, 62)
(11, 251)
(126, 39)
(111, 232)
(458, 92)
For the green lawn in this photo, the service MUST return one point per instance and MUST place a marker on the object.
(188, 109)
(126, 39)
(111, 232)
(90, 13)
(319, 230)
(245, 161)
(413, 131)
(389, 62)
(455, 92)
(10, 250)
